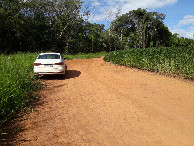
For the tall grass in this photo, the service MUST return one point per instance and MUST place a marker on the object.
(177, 61)
(16, 83)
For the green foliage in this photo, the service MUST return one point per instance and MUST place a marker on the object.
(41, 25)
(176, 41)
(175, 61)
(88, 39)
(16, 83)
(59, 26)
(139, 28)
(37, 25)
(2, 140)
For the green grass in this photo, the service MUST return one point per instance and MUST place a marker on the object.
(16, 83)
(174, 61)
(85, 56)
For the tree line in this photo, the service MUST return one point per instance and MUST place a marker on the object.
(60, 26)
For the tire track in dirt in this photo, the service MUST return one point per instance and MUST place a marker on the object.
(103, 104)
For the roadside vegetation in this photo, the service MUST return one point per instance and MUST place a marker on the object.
(16, 83)
(175, 61)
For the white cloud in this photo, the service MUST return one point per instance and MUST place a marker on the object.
(184, 33)
(185, 27)
(150, 4)
(187, 20)
(191, 29)
(95, 3)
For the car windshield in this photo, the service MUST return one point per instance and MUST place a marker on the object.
(49, 56)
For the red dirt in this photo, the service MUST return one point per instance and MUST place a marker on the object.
(103, 104)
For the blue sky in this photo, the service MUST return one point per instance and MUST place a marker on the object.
(179, 13)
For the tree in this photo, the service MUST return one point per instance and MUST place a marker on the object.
(33, 25)
(141, 28)
(9, 13)
(60, 17)
(90, 37)
(112, 36)
(176, 41)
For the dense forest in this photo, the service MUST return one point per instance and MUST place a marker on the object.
(61, 26)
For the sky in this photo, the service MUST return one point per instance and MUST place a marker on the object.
(179, 13)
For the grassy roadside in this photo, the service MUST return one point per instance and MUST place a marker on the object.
(177, 61)
(16, 83)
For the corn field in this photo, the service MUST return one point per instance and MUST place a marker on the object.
(177, 61)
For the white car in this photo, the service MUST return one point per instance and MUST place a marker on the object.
(49, 63)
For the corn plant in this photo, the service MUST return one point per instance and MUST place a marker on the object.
(177, 61)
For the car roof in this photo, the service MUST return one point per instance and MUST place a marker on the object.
(50, 53)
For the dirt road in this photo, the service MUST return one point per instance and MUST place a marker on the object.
(103, 104)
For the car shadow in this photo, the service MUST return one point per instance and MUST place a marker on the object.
(68, 75)
(72, 74)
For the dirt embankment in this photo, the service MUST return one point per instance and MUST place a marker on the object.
(103, 104)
